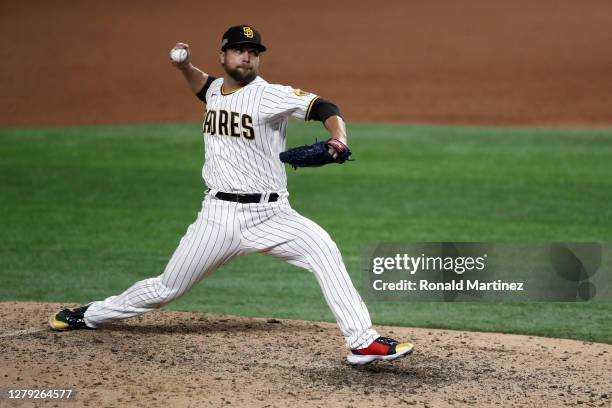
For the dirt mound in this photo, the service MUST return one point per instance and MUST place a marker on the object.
(196, 359)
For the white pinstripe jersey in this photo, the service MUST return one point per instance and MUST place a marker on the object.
(244, 132)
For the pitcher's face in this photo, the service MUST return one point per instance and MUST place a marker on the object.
(241, 63)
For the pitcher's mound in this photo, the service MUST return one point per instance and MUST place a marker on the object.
(174, 359)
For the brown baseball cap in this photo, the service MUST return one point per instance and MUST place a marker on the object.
(242, 35)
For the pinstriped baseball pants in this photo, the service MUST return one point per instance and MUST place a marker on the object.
(225, 230)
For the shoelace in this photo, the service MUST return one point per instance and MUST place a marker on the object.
(386, 340)
(73, 317)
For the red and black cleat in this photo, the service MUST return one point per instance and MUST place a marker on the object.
(383, 348)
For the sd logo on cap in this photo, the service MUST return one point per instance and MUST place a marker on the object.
(242, 35)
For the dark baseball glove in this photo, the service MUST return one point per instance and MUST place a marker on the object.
(316, 155)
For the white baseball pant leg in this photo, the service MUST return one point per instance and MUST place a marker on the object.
(278, 230)
(225, 230)
(208, 243)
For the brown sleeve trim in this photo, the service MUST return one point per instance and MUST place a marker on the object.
(321, 110)
(202, 94)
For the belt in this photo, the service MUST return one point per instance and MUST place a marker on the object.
(246, 198)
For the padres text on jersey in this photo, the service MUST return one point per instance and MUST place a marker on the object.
(244, 132)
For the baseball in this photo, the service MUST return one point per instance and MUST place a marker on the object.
(178, 55)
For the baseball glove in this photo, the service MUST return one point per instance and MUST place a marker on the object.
(316, 155)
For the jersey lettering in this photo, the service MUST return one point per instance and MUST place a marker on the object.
(234, 124)
(247, 127)
(223, 116)
(210, 122)
(229, 124)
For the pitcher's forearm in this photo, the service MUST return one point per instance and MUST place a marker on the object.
(194, 76)
(336, 128)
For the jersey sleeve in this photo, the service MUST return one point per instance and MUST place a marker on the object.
(281, 102)
(204, 92)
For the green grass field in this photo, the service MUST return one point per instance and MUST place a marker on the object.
(87, 211)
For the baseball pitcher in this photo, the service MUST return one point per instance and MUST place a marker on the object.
(246, 207)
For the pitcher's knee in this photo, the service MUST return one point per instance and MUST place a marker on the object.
(327, 248)
(163, 293)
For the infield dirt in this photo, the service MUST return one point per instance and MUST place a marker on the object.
(521, 62)
(175, 359)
